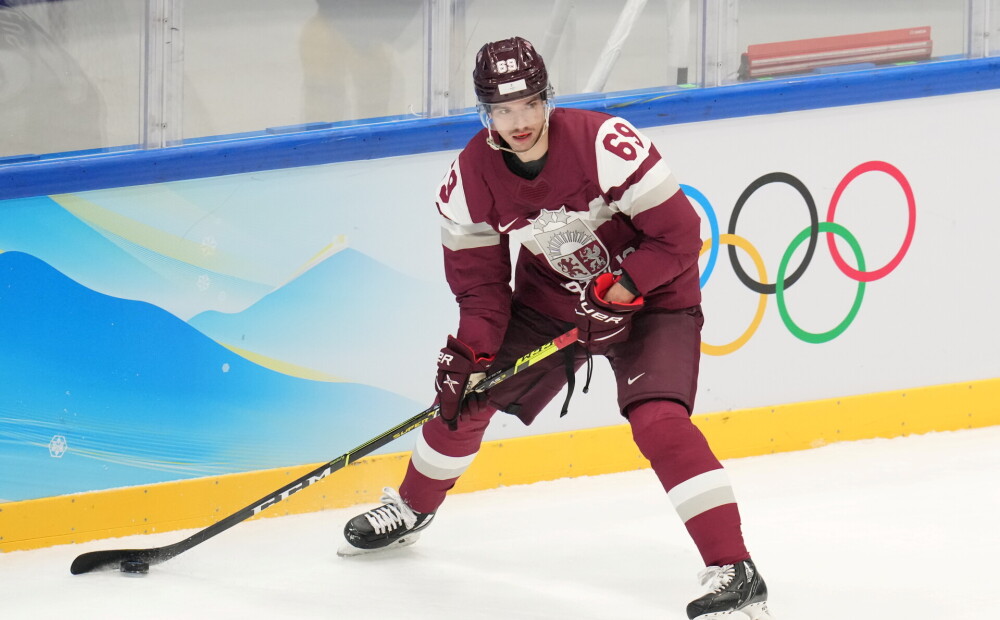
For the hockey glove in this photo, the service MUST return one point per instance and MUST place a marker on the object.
(459, 369)
(603, 323)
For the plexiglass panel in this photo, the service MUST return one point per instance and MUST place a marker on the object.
(590, 45)
(993, 38)
(72, 71)
(255, 64)
(69, 75)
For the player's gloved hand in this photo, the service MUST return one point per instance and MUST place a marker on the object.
(601, 323)
(459, 369)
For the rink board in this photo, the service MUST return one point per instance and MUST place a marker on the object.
(174, 350)
(524, 460)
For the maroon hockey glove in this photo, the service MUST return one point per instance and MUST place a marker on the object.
(459, 369)
(603, 323)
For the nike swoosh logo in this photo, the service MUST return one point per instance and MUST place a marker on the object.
(505, 227)
(632, 380)
(611, 335)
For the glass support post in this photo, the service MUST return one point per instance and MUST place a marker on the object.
(977, 44)
(162, 97)
(720, 58)
(441, 17)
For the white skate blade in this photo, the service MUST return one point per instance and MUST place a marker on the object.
(756, 611)
(348, 550)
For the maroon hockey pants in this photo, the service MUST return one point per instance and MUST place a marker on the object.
(677, 450)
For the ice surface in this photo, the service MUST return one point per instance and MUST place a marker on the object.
(881, 529)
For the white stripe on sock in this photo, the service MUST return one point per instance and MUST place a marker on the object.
(701, 493)
(435, 465)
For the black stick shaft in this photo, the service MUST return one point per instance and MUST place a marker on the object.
(96, 560)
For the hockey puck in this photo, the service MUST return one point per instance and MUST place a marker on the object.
(134, 566)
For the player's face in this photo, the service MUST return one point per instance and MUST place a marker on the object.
(521, 124)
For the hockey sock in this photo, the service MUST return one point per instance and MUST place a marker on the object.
(440, 456)
(694, 479)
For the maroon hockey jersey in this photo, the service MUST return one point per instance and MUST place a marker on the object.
(604, 201)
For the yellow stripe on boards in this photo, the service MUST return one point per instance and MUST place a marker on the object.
(748, 432)
(285, 368)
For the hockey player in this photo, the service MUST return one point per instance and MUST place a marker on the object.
(607, 242)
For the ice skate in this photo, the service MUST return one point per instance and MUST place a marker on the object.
(390, 526)
(736, 592)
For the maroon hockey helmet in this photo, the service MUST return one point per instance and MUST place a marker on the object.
(508, 70)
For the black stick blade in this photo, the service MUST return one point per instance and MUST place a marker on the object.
(105, 560)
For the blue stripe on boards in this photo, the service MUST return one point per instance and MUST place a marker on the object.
(337, 142)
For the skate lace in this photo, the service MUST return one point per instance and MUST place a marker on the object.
(717, 578)
(392, 514)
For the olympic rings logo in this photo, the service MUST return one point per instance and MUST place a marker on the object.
(811, 233)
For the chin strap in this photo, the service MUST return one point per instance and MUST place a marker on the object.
(496, 147)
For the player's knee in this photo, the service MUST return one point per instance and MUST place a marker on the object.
(659, 425)
(647, 412)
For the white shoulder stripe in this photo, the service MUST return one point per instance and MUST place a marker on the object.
(654, 188)
(458, 237)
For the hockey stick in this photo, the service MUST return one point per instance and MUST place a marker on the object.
(140, 559)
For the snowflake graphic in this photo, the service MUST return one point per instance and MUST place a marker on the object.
(204, 283)
(208, 246)
(58, 447)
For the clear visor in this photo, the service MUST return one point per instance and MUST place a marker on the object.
(486, 109)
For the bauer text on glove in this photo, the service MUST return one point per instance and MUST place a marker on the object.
(459, 369)
(602, 323)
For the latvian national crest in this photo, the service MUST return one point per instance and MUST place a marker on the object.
(569, 245)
